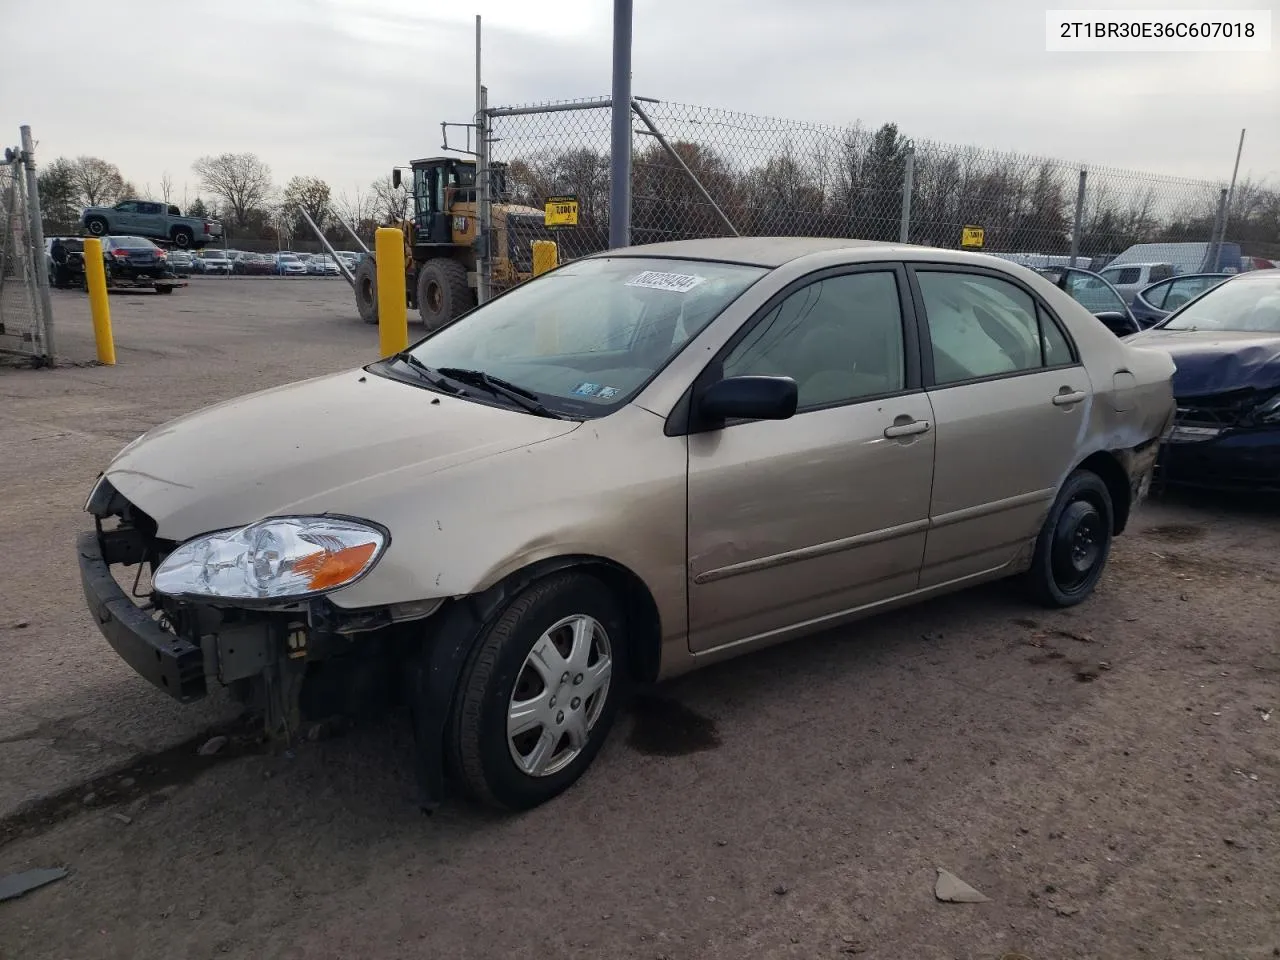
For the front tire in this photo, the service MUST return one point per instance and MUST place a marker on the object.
(442, 292)
(97, 226)
(1074, 542)
(540, 693)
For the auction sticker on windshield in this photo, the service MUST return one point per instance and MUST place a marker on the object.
(674, 282)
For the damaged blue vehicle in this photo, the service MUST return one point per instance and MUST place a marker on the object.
(1226, 346)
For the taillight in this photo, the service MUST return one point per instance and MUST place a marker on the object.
(206, 228)
(122, 254)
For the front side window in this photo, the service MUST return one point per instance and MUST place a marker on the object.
(1093, 293)
(585, 337)
(1123, 275)
(982, 326)
(839, 338)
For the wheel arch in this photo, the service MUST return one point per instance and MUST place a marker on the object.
(1106, 465)
(644, 653)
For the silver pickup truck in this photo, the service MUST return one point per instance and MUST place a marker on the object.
(156, 221)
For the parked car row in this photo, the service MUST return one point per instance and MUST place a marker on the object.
(286, 263)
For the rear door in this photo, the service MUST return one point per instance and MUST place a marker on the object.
(150, 219)
(1010, 400)
(792, 522)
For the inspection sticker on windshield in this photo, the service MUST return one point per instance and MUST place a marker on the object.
(586, 389)
(674, 282)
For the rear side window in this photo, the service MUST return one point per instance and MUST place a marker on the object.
(983, 326)
(1155, 296)
(1162, 271)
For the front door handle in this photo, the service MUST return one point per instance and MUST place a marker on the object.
(1068, 398)
(906, 429)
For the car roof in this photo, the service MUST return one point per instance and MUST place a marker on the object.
(760, 251)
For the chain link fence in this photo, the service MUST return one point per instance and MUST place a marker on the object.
(696, 167)
(25, 323)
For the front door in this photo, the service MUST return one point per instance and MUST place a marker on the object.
(793, 522)
(1011, 401)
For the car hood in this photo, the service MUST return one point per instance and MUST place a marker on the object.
(308, 447)
(1217, 361)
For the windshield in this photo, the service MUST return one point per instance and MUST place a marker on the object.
(589, 335)
(133, 243)
(1249, 304)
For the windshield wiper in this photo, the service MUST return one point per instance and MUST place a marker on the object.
(426, 373)
(503, 388)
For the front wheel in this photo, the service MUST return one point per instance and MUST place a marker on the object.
(366, 289)
(1074, 542)
(540, 693)
(96, 226)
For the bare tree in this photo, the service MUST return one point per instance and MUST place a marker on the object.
(309, 194)
(357, 209)
(166, 187)
(390, 203)
(241, 180)
(96, 181)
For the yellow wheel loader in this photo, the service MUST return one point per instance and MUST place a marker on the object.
(440, 248)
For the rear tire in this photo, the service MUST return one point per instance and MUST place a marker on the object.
(565, 695)
(1074, 543)
(366, 288)
(442, 292)
(164, 289)
(182, 238)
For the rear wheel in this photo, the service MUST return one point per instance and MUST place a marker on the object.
(442, 292)
(366, 287)
(182, 238)
(1074, 542)
(536, 702)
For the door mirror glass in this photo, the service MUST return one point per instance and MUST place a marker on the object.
(749, 398)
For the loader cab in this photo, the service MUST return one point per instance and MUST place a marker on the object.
(439, 185)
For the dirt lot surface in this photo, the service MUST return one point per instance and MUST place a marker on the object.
(1106, 776)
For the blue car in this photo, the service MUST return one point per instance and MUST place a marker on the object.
(1225, 345)
(1155, 302)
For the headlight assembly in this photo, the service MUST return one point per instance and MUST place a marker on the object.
(1268, 412)
(283, 558)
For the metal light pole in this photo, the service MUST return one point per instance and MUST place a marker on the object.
(620, 139)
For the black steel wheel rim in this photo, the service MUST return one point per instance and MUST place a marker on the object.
(1078, 542)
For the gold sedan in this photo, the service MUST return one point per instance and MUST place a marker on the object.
(637, 464)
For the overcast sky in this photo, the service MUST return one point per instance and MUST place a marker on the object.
(345, 89)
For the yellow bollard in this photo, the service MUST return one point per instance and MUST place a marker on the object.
(95, 276)
(546, 256)
(393, 305)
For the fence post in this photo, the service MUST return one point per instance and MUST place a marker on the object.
(95, 278)
(1077, 227)
(484, 196)
(393, 305)
(908, 176)
(1219, 232)
(620, 130)
(37, 242)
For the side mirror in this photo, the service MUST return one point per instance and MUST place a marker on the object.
(749, 398)
(395, 178)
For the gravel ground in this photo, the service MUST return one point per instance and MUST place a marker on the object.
(1106, 776)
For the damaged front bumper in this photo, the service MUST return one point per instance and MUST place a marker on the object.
(168, 661)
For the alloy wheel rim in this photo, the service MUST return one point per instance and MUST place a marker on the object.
(559, 695)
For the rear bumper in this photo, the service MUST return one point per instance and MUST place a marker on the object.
(174, 665)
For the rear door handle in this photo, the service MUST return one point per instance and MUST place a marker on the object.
(1066, 399)
(906, 429)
